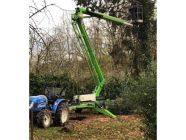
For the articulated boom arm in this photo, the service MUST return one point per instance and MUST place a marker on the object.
(115, 20)
(81, 33)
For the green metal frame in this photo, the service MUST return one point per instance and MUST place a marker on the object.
(94, 106)
(79, 28)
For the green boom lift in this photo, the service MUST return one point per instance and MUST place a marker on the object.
(89, 100)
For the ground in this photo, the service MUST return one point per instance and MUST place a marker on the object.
(95, 127)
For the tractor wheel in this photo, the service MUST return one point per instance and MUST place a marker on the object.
(44, 118)
(62, 114)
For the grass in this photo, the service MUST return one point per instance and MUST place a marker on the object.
(96, 127)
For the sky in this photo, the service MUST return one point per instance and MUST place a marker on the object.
(53, 14)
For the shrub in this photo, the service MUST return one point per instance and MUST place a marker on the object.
(136, 96)
(148, 102)
(39, 82)
(113, 88)
(36, 84)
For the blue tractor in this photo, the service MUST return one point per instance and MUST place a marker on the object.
(49, 109)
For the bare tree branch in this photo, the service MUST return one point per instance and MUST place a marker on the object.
(40, 10)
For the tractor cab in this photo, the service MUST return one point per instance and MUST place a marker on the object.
(53, 93)
(136, 12)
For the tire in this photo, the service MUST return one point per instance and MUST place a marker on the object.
(103, 105)
(62, 114)
(44, 118)
(78, 110)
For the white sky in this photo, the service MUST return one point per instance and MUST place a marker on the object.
(50, 21)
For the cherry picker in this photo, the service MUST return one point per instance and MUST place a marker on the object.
(90, 100)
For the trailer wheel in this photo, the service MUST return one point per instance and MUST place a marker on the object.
(62, 114)
(44, 118)
(79, 110)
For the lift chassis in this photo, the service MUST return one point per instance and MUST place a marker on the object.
(90, 100)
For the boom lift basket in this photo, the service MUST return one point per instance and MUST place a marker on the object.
(136, 13)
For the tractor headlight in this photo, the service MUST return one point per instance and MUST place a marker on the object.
(31, 105)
